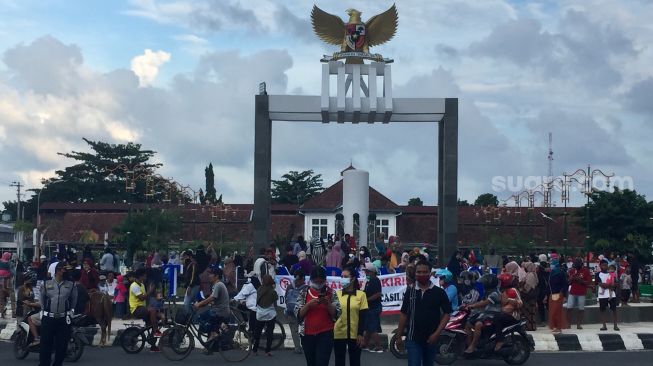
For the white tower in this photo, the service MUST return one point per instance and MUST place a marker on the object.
(356, 200)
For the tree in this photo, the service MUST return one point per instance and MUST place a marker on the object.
(209, 192)
(619, 222)
(104, 175)
(415, 202)
(487, 199)
(151, 229)
(463, 203)
(296, 187)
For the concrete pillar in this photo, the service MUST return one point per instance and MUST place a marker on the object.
(262, 172)
(356, 200)
(448, 182)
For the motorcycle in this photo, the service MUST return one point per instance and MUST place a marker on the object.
(516, 348)
(23, 339)
(396, 351)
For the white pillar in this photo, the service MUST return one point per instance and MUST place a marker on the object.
(356, 199)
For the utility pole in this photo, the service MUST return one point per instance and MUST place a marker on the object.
(18, 185)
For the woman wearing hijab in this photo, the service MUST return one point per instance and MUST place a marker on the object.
(558, 286)
(266, 313)
(334, 258)
(90, 277)
(516, 271)
(304, 263)
(529, 292)
(454, 265)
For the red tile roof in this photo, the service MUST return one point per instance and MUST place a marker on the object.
(331, 199)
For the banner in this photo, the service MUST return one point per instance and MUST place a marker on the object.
(393, 287)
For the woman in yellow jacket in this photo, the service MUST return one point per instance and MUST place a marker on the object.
(349, 328)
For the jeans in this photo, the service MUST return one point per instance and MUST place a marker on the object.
(294, 331)
(340, 347)
(269, 330)
(317, 348)
(189, 299)
(420, 354)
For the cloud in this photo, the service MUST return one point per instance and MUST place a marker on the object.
(146, 66)
(192, 39)
(640, 97)
(582, 49)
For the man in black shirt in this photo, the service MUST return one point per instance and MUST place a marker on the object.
(373, 318)
(425, 310)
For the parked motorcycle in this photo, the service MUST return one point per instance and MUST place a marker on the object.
(516, 349)
(399, 353)
(23, 338)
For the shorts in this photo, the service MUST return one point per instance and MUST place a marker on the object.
(625, 295)
(36, 319)
(576, 302)
(603, 304)
(141, 313)
(373, 320)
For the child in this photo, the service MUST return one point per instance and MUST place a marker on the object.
(626, 282)
(120, 297)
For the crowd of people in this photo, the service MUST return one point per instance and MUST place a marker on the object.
(537, 288)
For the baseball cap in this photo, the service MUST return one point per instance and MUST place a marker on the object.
(42, 256)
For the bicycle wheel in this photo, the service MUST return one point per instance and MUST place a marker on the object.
(132, 340)
(236, 345)
(278, 336)
(177, 343)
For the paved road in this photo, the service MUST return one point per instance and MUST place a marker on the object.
(113, 356)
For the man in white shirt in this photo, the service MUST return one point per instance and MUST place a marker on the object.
(606, 284)
(53, 265)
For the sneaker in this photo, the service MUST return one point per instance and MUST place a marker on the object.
(155, 349)
(157, 334)
(35, 343)
(378, 350)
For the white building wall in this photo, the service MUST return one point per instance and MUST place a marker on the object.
(308, 222)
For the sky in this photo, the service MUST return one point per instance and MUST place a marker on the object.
(179, 77)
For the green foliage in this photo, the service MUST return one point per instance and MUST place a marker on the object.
(22, 226)
(463, 203)
(151, 229)
(210, 192)
(415, 202)
(487, 199)
(619, 222)
(296, 187)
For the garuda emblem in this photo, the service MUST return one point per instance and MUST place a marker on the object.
(355, 37)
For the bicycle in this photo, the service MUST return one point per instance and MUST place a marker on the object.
(135, 336)
(233, 341)
(279, 332)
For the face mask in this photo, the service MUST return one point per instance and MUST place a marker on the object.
(423, 279)
(368, 277)
(467, 282)
(317, 286)
(345, 282)
(362, 252)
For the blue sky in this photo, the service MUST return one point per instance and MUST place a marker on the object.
(580, 69)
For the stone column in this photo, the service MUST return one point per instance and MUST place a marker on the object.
(448, 182)
(262, 172)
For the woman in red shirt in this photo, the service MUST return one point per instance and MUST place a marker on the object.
(317, 310)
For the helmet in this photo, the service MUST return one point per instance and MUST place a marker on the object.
(444, 273)
(489, 281)
(505, 279)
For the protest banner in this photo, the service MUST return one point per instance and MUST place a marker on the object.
(393, 287)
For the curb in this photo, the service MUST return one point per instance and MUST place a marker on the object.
(544, 342)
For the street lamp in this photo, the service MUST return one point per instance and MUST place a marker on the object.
(38, 214)
(587, 181)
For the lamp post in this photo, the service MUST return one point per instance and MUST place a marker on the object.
(587, 181)
(38, 214)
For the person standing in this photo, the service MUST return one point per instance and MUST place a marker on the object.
(292, 293)
(529, 294)
(373, 321)
(58, 297)
(558, 286)
(192, 277)
(605, 288)
(107, 261)
(580, 279)
(634, 273)
(625, 283)
(350, 326)
(424, 313)
(266, 313)
(317, 309)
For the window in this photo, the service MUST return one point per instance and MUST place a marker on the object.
(319, 228)
(384, 227)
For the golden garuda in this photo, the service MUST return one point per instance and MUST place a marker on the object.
(355, 37)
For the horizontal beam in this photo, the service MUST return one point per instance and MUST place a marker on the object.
(306, 108)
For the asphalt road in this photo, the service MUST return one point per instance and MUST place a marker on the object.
(113, 356)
